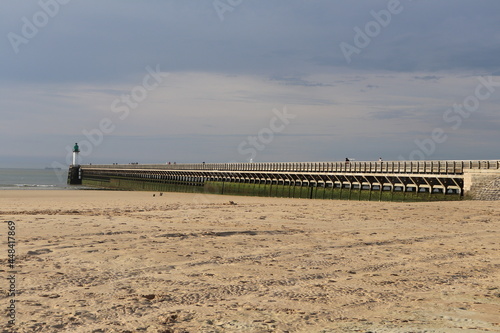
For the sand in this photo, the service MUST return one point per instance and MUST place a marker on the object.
(108, 261)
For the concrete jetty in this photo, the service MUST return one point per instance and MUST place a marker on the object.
(466, 179)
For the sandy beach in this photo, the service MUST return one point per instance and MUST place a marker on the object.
(110, 261)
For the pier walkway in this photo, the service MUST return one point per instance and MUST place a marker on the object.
(478, 179)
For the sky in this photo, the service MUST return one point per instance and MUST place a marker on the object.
(238, 80)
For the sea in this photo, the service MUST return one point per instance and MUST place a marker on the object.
(34, 179)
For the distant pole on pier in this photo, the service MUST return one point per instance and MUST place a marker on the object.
(76, 150)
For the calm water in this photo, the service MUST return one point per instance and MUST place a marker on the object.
(40, 179)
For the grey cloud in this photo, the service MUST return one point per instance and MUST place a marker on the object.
(91, 41)
(394, 114)
(297, 81)
(428, 77)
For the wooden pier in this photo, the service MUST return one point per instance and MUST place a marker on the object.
(356, 180)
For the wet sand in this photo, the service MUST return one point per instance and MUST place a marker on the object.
(108, 261)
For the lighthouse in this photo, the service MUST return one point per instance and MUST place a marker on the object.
(75, 172)
(76, 150)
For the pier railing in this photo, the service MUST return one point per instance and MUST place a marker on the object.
(392, 167)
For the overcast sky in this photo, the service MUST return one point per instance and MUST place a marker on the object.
(228, 80)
